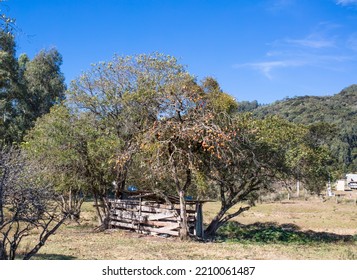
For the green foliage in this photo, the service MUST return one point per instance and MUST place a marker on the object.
(77, 153)
(128, 95)
(274, 233)
(258, 153)
(217, 100)
(28, 88)
(332, 118)
(127, 86)
(246, 106)
(203, 189)
(44, 82)
(8, 84)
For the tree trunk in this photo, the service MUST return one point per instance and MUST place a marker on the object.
(97, 208)
(221, 219)
(103, 211)
(211, 230)
(1, 209)
(2, 197)
(71, 204)
(3, 254)
(120, 183)
(43, 238)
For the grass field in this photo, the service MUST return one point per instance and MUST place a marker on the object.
(299, 229)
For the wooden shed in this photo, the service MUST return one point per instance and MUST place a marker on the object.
(146, 212)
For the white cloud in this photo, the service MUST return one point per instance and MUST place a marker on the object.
(346, 2)
(313, 42)
(266, 67)
(322, 36)
(294, 60)
(323, 48)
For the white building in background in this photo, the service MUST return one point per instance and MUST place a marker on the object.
(341, 184)
(351, 180)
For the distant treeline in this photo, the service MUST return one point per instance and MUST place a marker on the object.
(336, 115)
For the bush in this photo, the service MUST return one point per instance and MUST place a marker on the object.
(274, 233)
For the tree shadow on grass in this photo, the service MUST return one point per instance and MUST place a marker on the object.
(52, 257)
(278, 233)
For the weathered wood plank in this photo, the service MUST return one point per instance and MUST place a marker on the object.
(143, 208)
(123, 214)
(137, 218)
(162, 230)
(146, 228)
(142, 218)
(167, 215)
(124, 203)
(150, 216)
(130, 220)
(162, 224)
(124, 225)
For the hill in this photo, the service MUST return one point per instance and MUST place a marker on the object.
(339, 110)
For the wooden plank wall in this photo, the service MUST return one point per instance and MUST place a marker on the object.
(149, 217)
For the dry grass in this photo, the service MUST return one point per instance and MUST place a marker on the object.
(80, 242)
(314, 214)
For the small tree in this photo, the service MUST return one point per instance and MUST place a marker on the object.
(176, 143)
(257, 153)
(168, 144)
(79, 156)
(26, 206)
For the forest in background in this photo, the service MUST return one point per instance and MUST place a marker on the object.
(336, 115)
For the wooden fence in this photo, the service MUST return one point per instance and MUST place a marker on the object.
(155, 218)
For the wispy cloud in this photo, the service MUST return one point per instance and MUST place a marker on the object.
(266, 67)
(346, 2)
(322, 48)
(311, 42)
(320, 37)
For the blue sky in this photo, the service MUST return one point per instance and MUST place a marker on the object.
(257, 50)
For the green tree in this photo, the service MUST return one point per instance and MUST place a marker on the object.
(93, 144)
(79, 155)
(28, 88)
(128, 95)
(8, 83)
(42, 87)
(251, 156)
(189, 129)
(172, 142)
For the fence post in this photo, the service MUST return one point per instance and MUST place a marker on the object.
(199, 221)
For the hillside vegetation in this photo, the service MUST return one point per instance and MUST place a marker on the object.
(338, 111)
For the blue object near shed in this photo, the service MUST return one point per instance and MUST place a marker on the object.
(132, 189)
